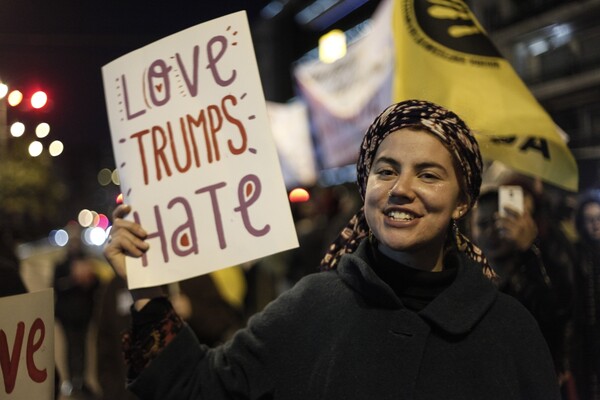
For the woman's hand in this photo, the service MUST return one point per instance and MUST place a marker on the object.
(127, 238)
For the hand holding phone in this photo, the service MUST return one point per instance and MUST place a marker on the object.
(511, 196)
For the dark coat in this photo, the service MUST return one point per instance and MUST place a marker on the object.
(345, 335)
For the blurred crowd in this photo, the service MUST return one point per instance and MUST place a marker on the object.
(547, 256)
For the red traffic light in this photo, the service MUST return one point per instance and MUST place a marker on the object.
(39, 99)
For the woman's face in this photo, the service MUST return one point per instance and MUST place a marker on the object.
(591, 220)
(418, 171)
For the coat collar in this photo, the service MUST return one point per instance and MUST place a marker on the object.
(456, 310)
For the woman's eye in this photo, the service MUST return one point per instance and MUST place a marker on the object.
(429, 176)
(385, 172)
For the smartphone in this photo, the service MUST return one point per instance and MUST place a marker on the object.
(511, 196)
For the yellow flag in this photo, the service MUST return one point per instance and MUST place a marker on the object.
(445, 56)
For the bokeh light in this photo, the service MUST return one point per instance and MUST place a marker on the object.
(85, 218)
(104, 176)
(332, 46)
(86, 236)
(94, 219)
(39, 99)
(103, 221)
(3, 90)
(97, 236)
(115, 177)
(299, 195)
(17, 129)
(60, 237)
(14, 98)
(56, 148)
(35, 148)
(42, 130)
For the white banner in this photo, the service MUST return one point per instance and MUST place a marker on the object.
(291, 130)
(27, 346)
(344, 97)
(196, 158)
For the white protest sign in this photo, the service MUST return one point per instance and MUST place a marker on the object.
(27, 346)
(195, 155)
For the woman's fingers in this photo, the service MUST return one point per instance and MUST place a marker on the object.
(511, 212)
(119, 222)
(128, 243)
(126, 239)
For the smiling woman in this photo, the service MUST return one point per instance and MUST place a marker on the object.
(446, 136)
(405, 308)
(410, 199)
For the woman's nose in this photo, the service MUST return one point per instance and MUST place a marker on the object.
(402, 187)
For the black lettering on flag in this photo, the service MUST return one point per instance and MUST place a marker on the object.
(504, 140)
(538, 144)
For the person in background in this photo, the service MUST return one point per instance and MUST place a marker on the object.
(405, 306)
(587, 317)
(113, 319)
(558, 254)
(509, 243)
(75, 288)
(10, 280)
(8, 255)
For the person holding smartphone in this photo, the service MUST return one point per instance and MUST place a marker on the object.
(503, 223)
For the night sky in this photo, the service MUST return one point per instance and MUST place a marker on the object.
(60, 47)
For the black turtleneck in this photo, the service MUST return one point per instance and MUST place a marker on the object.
(414, 287)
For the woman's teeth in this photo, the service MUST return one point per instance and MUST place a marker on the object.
(400, 215)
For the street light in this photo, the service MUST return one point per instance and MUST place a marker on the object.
(35, 148)
(17, 129)
(56, 148)
(332, 46)
(3, 90)
(42, 130)
(14, 98)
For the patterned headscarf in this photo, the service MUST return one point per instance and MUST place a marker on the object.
(456, 137)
